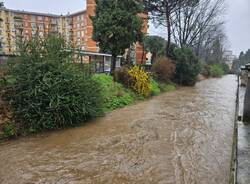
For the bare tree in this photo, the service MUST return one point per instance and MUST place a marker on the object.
(161, 12)
(195, 20)
(213, 45)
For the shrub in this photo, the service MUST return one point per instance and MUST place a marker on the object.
(121, 76)
(139, 81)
(225, 68)
(187, 66)
(50, 93)
(114, 94)
(206, 70)
(216, 70)
(9, 130)
(163, 69)
(154, 88)
(167, 87)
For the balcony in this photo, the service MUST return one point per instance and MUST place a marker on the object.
(18, 18)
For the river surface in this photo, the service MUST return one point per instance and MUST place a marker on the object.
(182, 137)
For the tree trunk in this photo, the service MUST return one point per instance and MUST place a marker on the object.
(113, 64)
(168, 29)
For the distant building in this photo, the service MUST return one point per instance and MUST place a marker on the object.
(229, 58)
(76, 28)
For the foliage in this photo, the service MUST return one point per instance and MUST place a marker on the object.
(163, 69)
(205, 71)
(216, 70)
(156, 45)
(162, 12)
(49, 92)
(9, 130)
(225, 68)
(187, 66)
(244, 57)
(167, 87)
(139, 81)
(114, 94)
(121, 76)
(154, 88)
(117, 26)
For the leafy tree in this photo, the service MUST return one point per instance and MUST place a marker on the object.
(1, 4)
(117, 26)
(244, 57)
(155, 45)
(188, 66)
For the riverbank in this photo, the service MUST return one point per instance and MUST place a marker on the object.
(115, 97)
(185, 135)
(114, 94)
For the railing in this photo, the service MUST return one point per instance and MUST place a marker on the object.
(234, 163)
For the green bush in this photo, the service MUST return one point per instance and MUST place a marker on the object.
(187, 66)
(114, 94)
(48, 91)
(154, 88)
(206, 70)
(216, 70)
(167, 87)
(225, 68)
(9, 130)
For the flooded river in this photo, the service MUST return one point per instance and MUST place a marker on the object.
(183, 137)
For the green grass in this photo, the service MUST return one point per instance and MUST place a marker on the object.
(154, 87)
(114, 94)
(167, 87)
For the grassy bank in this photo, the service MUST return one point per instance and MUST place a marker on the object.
(114, 96)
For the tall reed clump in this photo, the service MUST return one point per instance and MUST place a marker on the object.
(49, 92)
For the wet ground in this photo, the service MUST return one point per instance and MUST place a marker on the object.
(243, 146)
(183, 137)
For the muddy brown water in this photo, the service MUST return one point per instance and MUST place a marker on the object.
(182, 137)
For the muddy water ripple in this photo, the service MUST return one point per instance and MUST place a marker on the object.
(183, 137)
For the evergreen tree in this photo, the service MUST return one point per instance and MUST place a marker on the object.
(117, 26)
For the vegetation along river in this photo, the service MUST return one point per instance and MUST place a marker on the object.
(182, 137)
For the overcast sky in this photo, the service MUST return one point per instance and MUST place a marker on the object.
(237, 27)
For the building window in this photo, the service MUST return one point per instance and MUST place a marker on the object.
(78, 25)
(40, 18)
(33, 18)
(33, 25)
(40, 26)
(78, 34)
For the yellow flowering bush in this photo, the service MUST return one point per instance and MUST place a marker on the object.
(139, 81)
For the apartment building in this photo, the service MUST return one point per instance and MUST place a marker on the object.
(75, 28)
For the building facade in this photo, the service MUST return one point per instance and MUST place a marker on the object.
(76, 28)
(229, 58)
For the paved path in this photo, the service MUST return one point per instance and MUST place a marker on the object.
(243, 147)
